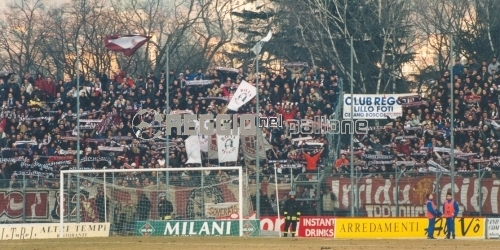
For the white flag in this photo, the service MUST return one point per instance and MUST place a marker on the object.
(193, 150)
(243, 94)
(228, 147)
(203, 139)
(268, 37)
(258, 47)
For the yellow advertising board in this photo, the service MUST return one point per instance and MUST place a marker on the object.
(351, 228)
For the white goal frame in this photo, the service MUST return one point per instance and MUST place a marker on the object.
(105, 171)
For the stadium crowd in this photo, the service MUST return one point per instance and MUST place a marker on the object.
(38, 123)
(419, 142)
(38, 119)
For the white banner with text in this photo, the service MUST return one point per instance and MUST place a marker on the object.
(492, 228)
(373, 106)
(52, 231)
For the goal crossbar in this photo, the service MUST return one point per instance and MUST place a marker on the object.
(104, 171)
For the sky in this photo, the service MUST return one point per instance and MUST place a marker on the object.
(6, 3)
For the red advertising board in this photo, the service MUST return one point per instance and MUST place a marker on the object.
(308, 226)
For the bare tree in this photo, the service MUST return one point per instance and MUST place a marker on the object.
(381, 32)
(478, 35)
(435, 20)
(216, 27)
(47, 39)
(169, 21)
(24, 35)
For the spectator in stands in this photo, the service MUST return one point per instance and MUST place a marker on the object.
(312, 160)
(328, 202)
(32, 109)
(128, 213)
(341, 161)
(101, 205)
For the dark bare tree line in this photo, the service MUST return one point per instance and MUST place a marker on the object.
(43, 39)
(387, 34)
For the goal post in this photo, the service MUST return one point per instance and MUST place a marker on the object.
(197, 194)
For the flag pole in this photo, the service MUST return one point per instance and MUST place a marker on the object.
(277, 195)
(167, 105)
(78, 209)
(256, 49)
(452, 125)
(257, 158)
(352, 134)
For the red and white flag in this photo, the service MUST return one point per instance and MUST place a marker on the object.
(127, 44)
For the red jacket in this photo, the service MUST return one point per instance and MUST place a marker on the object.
(288, 116)
(120, 76)
(403, 149)
(51, 88)
(226, 93)
(311, 161)
(41, 84)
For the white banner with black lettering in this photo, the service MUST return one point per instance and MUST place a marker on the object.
(224, 210)
(228, 147)
(243, 94)
(493, 228)
(193, 150)
(50, 231)
(373, 106)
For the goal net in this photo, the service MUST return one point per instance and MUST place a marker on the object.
(154, 202)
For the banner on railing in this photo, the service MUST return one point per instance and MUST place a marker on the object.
(308, 226)
(405, 210)
(373, 106)
(222, 210)
(412, 192)
(42, 204)
(197, 227)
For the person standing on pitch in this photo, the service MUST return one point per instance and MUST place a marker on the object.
(165, 208)
(291, 211)
(450, 209)
(432, 213)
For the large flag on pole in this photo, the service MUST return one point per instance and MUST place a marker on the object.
(244, 93)
(112, 118)
(249, 146)
(127, 44)
(193, 150)
(228, 148)
(258, 47)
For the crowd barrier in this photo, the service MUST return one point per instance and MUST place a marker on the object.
(330, 227)
(309, 226)
(52, 231)
(371, 228)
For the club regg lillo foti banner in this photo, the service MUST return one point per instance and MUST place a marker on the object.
(406, 228)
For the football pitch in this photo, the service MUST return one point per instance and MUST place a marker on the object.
(162, 243)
